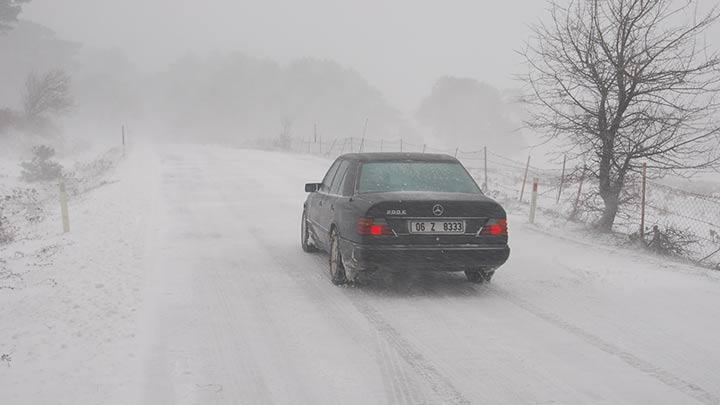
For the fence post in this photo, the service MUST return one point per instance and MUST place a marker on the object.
(400, 144)
(362, 142)
(562, 180)
(579, 193)
(64, 207)
(381, 144)
(343, 146)
(332, 145)
(123, 139)
(642, 204)
(315, 135)
(456, 151)
(424, 148)
(533, 200)
(522, 189)
(320, 146)
(486, 173)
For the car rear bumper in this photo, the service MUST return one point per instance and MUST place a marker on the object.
(424, 258)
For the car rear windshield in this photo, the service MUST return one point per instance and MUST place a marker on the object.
(415, 176)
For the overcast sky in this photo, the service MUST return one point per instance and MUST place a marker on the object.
(400, 46)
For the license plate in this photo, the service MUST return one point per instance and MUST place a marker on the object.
(437, 226)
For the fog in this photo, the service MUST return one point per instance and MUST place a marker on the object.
(441, 74)
(400, 46)
(192, 210)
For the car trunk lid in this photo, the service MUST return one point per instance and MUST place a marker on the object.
(401, 210)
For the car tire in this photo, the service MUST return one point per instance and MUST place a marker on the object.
(480, 276)
(337, 269)
(307, 246)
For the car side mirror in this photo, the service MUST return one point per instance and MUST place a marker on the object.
(312, 187)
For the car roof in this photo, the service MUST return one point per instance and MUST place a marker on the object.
(398, 156)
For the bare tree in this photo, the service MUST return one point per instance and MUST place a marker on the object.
(9, 11)
(625, 82)
(284, 140)
(46, 95)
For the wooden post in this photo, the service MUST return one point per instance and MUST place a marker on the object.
(642, 203)
(381, 144)
(527, 167)
(562, 180)
(362, 140)
(64, 207)
(400, 144)
(533, 200)
(579, 193)
(485, 184)
(351, 144)
(456, 151)
(315, 137)
(424, 148)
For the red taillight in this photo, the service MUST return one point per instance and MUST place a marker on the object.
(495, 227)
(373, 227)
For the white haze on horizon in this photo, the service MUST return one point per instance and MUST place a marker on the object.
(401, 47)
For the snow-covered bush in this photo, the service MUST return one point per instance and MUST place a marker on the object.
(671, 241)
(91, 175)
(20, 207)
(7, 231)
(41, 167)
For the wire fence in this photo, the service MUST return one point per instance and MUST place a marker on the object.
(674, 221)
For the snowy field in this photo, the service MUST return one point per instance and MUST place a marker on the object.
(183, 282)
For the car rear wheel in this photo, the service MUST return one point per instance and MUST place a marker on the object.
(480, 276)
(337, 270)
(305, 242)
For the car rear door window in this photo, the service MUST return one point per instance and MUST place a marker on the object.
(339, 177)
(347, 188)
(326, 183)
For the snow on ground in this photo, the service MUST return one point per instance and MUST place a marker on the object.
(69, 320)
(183, 282)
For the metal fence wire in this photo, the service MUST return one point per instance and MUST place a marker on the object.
(676, 222)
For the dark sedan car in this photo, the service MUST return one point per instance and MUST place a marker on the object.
(403, 212)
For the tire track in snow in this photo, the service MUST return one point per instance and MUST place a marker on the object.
(664, 376)
(397, 388)
(212, 287)
(394, 375)
(249, 368)
(440, 384)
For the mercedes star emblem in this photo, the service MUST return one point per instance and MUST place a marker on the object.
(438, 210)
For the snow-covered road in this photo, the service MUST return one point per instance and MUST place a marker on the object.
(237, 313)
